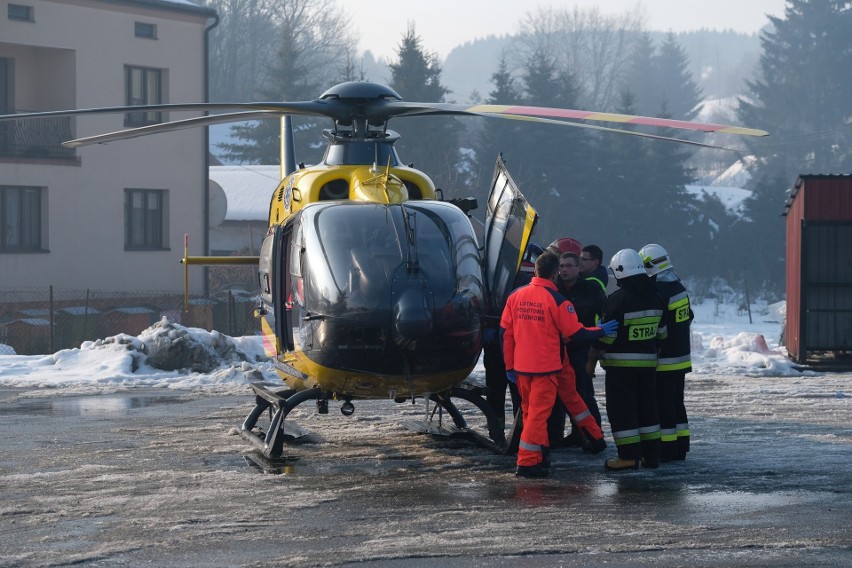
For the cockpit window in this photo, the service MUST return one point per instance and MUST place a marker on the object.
(361, 153)
(357, 251)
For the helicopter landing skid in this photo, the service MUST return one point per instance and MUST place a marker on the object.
(271, 444)
(450, 432)
(433, 425)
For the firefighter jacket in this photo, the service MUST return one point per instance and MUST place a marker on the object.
(675, 351)
(534, 324)
(639, 310)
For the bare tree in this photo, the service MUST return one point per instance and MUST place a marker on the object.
(240, 45)
(593, 47)
(313, 50)
(253, 35)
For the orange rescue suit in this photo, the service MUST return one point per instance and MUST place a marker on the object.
(534, 322)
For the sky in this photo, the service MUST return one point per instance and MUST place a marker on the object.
(445, 24)
(724, 343)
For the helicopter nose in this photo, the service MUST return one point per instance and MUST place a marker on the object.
(412, 317)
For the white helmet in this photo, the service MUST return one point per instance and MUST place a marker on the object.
(656, 259)
(626, 262)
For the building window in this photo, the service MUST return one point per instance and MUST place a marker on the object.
(143, 87)
(145, 219)
(148, 31)
(21, 13)
(20, 219)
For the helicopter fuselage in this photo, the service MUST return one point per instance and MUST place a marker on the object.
(370, 300)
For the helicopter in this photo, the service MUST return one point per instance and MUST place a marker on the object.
(371, 284)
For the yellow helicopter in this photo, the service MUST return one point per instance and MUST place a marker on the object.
(372, 286)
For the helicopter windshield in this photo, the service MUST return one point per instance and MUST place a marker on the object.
(361, 152)
(357, 251)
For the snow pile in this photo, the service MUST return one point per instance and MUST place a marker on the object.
(745, 353)
(164, 355)
(6, 349)
(724, 341)
(168, 355)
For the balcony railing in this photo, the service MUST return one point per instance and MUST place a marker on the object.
(37, 138)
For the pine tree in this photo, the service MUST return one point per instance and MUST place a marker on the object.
(801, 96)
(491, 136)
(674, 217)
(675, 84)
(430, 143)
(662, 75)
(620, 209)
(313, 53)
(642, 77)
(552, 160)
(290, 80)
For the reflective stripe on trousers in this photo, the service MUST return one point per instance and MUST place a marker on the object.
(538, 393)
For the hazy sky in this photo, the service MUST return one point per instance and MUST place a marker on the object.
(445, 24)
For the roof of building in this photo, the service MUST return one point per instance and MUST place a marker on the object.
(176, 5)
(800, 182)
(248, 190)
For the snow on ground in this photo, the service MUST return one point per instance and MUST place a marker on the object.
(168, 355)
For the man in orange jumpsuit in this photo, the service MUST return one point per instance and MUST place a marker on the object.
(535, 323)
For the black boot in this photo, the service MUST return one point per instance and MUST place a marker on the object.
(537, 470)
(595, 446)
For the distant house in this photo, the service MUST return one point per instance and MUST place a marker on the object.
(239, 207)
(111, 216)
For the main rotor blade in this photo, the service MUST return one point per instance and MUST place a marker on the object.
(408, 109)
(383, 109)
(312, 108)
(605, 129)
(168, 127)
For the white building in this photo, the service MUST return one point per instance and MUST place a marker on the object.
(239, 207)
(109, 217)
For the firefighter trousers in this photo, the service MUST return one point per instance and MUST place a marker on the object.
(538, 392)
(674, 425)
(631, 405)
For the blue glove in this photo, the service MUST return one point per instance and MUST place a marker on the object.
(610, 327)
(510, 376)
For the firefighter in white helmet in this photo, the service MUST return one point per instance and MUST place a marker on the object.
(675, 357)
(630, 358)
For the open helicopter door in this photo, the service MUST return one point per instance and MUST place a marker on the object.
(275, 288)
(509, 222)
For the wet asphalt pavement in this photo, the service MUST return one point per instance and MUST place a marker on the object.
(159, 477)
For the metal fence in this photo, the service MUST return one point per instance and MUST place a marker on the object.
(44, 320)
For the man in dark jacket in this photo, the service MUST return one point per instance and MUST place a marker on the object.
(591, 266)
(588, 300)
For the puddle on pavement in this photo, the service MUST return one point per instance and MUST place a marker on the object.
(734, 502)
(83, 405)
